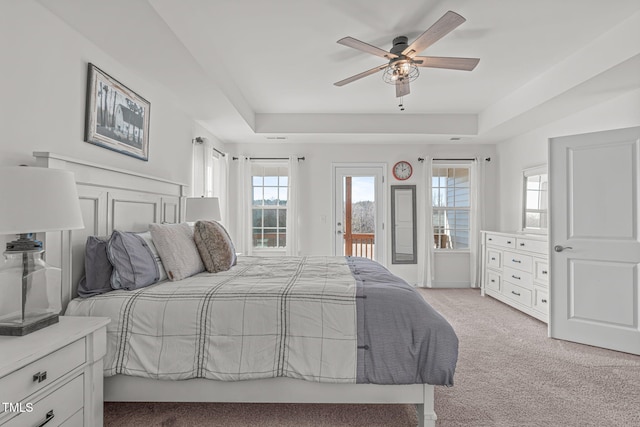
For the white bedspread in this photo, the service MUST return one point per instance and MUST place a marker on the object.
(266, 317)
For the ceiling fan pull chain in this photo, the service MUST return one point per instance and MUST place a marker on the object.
(401, 105)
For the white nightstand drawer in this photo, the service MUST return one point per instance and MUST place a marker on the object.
(43, 372)
(541, 272)
(58, 406)
(539, 246)
(493, 281)
(541, 299)
(518, 261)
(499, 240)
(494, 258)
(518, 277)
(522, 295)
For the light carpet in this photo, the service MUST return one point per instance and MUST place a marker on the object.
(509, 374)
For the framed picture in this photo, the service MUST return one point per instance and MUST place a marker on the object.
(117, 117)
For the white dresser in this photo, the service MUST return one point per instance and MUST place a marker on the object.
(53, 377)
(515, 270)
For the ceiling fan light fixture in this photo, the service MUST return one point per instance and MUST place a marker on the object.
(400, 70)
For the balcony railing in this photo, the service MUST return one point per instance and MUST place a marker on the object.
(362, 245)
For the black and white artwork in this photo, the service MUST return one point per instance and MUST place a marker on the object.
(117, 117)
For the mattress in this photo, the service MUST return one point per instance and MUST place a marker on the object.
(323, 319)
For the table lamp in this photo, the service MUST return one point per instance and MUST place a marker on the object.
(207, 208)
(34, 199)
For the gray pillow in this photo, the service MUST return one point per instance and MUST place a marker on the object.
(134, 264)
(177, 250)
(215, 246)
(97, 268)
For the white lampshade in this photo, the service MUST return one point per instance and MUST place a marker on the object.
(202, 208)
(35, 199)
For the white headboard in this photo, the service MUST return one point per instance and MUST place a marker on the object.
(110, 199)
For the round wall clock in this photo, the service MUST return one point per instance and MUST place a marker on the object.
(402, 170)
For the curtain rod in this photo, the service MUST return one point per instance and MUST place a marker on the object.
(201, 139)
(269, 158)
(421, 159)
(219, 152)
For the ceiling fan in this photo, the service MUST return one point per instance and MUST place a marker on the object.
(403, 64)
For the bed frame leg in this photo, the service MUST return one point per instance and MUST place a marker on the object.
(426, 414)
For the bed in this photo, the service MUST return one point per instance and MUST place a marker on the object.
(364, 350)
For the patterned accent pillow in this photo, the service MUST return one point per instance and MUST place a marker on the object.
(97, 268)
(177, 250)
(215, 246)
(133, 260)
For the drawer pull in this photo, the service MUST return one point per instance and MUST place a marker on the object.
(515, 293)
(508, 242)
(516, 277)
(521, 244)
(48, 418)
(493, 280)
(40, 376)
(516, 260)
(490, 239)
(545, 272)
(544, 301)
(493, 259)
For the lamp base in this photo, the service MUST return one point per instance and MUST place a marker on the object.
(26, 328)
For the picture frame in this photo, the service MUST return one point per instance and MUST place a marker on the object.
(117, 118)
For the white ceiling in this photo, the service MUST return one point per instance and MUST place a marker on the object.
(249, 69)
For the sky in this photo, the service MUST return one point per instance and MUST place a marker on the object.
(362, 188)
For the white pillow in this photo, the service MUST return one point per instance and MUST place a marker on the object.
(177, 250)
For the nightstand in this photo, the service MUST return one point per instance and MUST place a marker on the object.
(54, 375)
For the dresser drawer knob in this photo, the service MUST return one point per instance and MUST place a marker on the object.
(48, 418)
(493, 259)
(516, 277)
(40, 376)
(545, 272)
(521, 244)
(493, 280)
(544, 301)
(508, 242)
(515, 293)
(516, 260)
(490, 239)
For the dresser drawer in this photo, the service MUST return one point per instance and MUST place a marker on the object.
(518, 261)
(494, 258)
(541, 299)
(493, 281)
(76, 420)
(57, 406)
(42, 372)
(499, 240)
(538, 246)
(517, 293)
(541, 270)
(518, 277)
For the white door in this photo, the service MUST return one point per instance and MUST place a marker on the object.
(595, 246)
(358, 190)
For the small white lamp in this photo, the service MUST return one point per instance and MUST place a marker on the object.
(34, 200)
(207, 208)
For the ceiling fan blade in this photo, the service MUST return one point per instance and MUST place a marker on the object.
(365, 47)
(465, 64)
(402, 88)
(441, 28)
(361, 75)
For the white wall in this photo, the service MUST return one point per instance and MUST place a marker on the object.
(316, 193)
(531, 149)
(43, 80)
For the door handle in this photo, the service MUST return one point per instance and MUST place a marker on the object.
(560, 248)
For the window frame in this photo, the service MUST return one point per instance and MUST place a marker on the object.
(452, 165)
(277, 207)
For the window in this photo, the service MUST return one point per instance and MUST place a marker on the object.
(534, 209)
(270, 189)
(451, 199)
